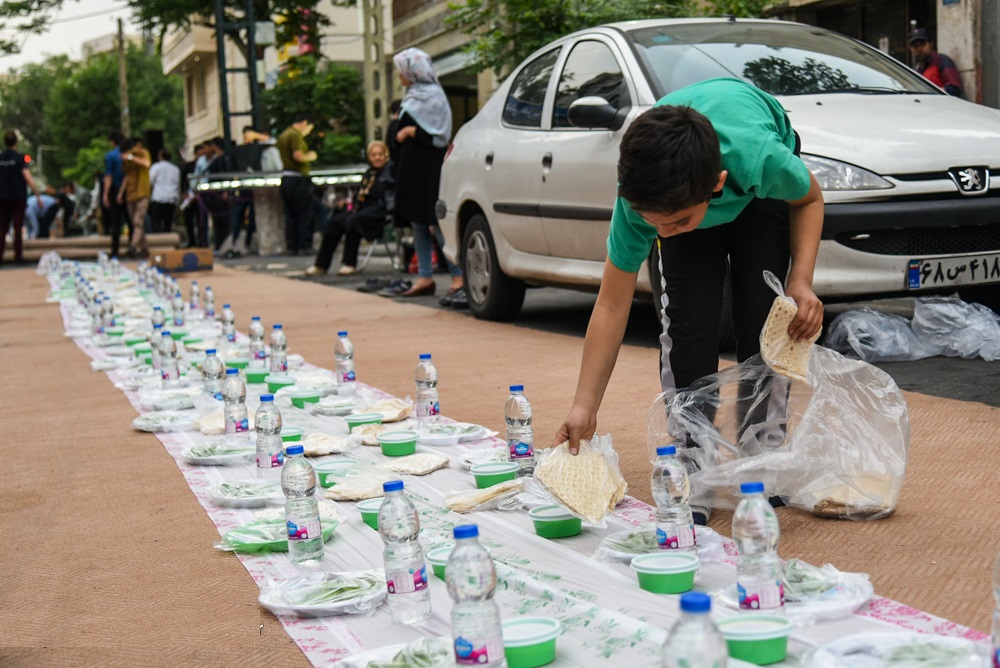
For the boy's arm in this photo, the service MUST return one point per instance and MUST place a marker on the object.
(806, 223)
(600, 352)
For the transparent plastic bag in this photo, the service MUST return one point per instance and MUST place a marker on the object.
(623, 546)
(837, 448)
(325, 594)
(873, 337)
(782, 353)
(502, 496)
(268, 534)
(958, 329)
(421, 653)
(588, 484)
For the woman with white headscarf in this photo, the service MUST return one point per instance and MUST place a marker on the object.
(421, 140)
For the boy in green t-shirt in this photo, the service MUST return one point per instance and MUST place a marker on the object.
(711, 174)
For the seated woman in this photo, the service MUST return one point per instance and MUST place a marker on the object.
(365, 218)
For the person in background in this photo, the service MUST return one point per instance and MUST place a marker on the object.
(296, 186)
(219, 202)
(15, 179)
(39, 211)
(247, 157)
(113, 212)
(165, 181)
(190, 204)
(422, 137)
(936, 67)
(135, 192)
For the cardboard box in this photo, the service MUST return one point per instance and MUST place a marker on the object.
(189, 259)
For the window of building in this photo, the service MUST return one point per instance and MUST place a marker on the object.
(195, 93)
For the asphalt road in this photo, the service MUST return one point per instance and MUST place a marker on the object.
(568, 312)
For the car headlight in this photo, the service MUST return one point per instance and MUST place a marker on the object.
(836, 175)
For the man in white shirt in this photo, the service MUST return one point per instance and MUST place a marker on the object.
(165, 180)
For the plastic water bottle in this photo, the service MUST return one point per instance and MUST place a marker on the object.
(756, 534)
(343, 351)
(279, 350)
(213, 374)
(107, 313)
(154, 343)
(258, 353)
(405, 570)
(694, 641)
(475, 617)
(209, 302)
(158, 317)
(670, 487)
(234, 394)
(228, 323)
(195, 298)
(520, 436)
(169, 366)
(177, 305)
(267, 423)
(428, 406)
(94, 310)
(305, 533)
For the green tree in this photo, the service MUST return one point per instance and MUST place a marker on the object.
(738, 8)
(89, 159)
(24, 97)
(333, 95)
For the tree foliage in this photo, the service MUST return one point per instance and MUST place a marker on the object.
(24, 96)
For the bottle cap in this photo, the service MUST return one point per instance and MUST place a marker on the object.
(696, 601)
(210, 351)
(295, 450)
(751, 488)
(266, 397)
(517, 388)
(157, 308)
(256, 318)
(392, 486)
(666, 450)
(165, 333)
(158, 325)
(194, 282)
(466, 531)
(342, 333)
(177, 294)
(230, 372)
(425, 356)
(277, 326)
(225, 306)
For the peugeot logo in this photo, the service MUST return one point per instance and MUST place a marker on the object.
(971, 180)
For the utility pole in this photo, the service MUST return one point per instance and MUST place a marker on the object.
(376, 90)
(123, 82)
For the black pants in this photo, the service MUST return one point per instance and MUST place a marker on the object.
(161, 216)
(12, 213)
(243, 211)
(300, 212)
(693, 266)
(114, 218)
(352, 227)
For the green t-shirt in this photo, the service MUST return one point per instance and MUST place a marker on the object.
(757, 143)
(290, 141)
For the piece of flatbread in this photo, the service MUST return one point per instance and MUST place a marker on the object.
(420, 463)
(392, 410)
(318, 444)
(368, 432)
(585, 483)
(473, 500)
(783, 354)
(215, 423)
(356, 488)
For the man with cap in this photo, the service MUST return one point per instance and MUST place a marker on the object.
(936, 67)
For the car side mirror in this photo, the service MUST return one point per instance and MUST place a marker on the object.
(594, 111)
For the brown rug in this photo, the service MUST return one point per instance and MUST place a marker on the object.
(109, 557)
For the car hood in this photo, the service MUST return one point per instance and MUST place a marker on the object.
(896, 134)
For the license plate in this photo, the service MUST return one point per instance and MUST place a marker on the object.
(953, 271)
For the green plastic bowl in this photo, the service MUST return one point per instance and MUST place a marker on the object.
(529, 642)
(291, 434)
(554, 521)
(398, 443)
(369, 511)
(257, 376)
(358, 419)
(132, 341)
(276, 381)
(115, 331)
(300, 398)
(147, 359)
(493, 473)
(237, 362)
(438, 559)
(757, 639)
(328, 472)
(178, 334)
(666, 572)
(141, 349)
(191, 340)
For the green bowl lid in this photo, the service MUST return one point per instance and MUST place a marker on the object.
(494, 468)
(370, 505)
(755, 627)
(665, 563)
(278, 377)
(359, 418)
(527, 631)
(550, 513)
(237, 360)
(397, 436)
(289, 430)
(334, 465)
(439, 556)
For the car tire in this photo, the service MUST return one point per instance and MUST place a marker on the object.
(727, 334)
(492, 294)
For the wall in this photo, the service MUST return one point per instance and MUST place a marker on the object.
(958, 36)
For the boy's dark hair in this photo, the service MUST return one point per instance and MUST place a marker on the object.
(116, 138)
(126, 145)
(10, 139)
(163, 154)
(669, 160)
(219, 143)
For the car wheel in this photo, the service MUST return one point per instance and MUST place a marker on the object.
(492, 294)
(727, 335)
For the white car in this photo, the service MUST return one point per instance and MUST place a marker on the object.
(526, 196)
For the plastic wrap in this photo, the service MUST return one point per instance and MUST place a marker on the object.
(838, 448)
(621, 547)
(325, 594)
(502, 496)
(245, 493)
(873, 336)
(898, 650)
(318, 444)
(164, 421)
(224, 451)
(958, 329)
(588, 484)
(360, 483)
(782, 353)
(267, 534)
(421, 653)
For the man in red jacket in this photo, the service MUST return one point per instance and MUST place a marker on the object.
(936, 67)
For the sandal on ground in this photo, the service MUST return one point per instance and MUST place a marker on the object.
(419, 292)
(315, 271)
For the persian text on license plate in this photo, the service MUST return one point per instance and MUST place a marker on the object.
(953, 271)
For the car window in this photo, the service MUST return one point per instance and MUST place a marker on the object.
(779, 59)
(527, 94)
(590, 69)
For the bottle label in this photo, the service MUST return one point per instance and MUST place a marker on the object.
(218, 396)
(278, 366)
(209, 312)
(671, 537)
(761, 595)
(348, 377)
(260, 354)
(407, 580)
(231, 337)
(270, 460)
(428, 409)
(996, 658)
(237, 426)
(304, 530)
(467, 654)
(519, 449)
(178, 322)
(170, 374)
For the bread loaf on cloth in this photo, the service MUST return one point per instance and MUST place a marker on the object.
(589, 484)
(779, 350)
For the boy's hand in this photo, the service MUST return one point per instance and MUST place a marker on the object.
(809, 319)
(580, 423)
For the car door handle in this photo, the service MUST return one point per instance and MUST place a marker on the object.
(489, 159)
(547, 161)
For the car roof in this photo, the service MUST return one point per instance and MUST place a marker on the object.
(626, 26)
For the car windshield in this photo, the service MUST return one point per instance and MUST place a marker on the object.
(782, 59)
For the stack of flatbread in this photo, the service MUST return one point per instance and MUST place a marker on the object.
(215, 423)
(586, 483)
(369, 432)
(358, 486)
(392, 410)
(318, 444)
(782, 353)
(484, 499)
(420, 463)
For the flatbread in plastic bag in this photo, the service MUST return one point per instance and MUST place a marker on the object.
(779, 350)
(420, 463)
(589, 484)
(318, 444)
(499, 496)
(325, 594)
(360, 483)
